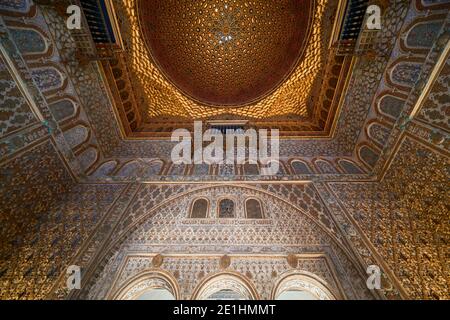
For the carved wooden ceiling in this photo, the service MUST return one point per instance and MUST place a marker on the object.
(266, 62)
(225, 52)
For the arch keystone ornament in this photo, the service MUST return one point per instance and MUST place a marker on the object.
(304, 281)
(225, 262)
(292, 260)
(157, 261)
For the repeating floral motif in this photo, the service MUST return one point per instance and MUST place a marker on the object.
(47, 218)
(436, 109)
(29, 187)
(156, 91)
(92, 93)
(28, 82)
(262, 272)
(305, 197)
(406, 218)
(362, 88)
(408, 121)
(14, 112)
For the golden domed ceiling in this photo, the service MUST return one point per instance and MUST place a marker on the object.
(267, 62)
(227, 53)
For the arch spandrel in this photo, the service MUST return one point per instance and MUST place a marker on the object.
(169, 230)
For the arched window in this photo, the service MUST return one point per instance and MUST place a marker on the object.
(225, 287)
(149, 286)
(302, 286)
(199, 209)
(226, 294)
(156, 294)
(253, 209)
(296, 295)
(300, 167)
(226, 208)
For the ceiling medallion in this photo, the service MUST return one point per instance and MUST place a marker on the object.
(226, 53)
